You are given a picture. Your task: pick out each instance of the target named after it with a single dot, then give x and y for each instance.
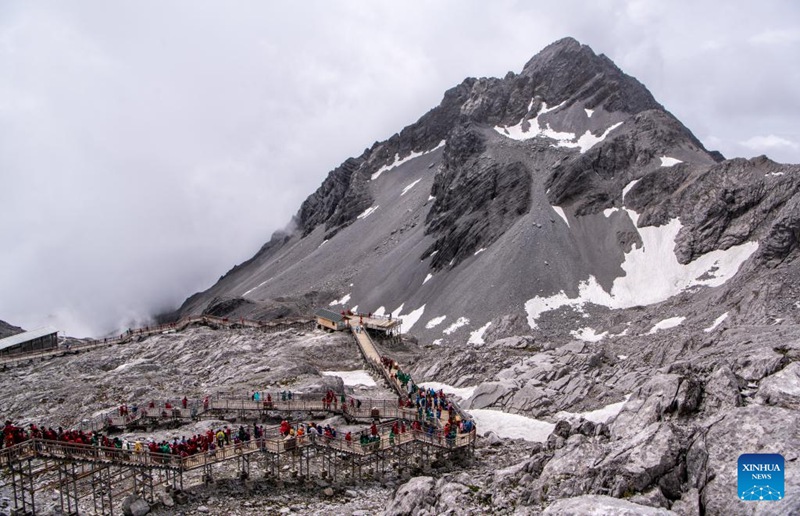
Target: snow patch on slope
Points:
(588, 334)
(560, 211)
(427, 278)
(476, 337)
(652, 274)
(672, 322)
(409, 187)
(461, 321)
(717, 322)
(512, 426)
(563, 139)
(411, 319)
(342, 301)
(397, 161)
(436, 321)
(669, 162)
(369, 211)
(628, 188)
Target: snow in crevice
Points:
(669, 162)
(323, 243)
(398, 161)
(652, 274)
(588, 334)
(609, 211)
(589, 112)
(427, 278)
(369, 211)
(409, 187)
(436, 321)
(461, 321)
(719, 320)
(560, 211)
(666, 324)
(479, 251)
(774, 174)
(476, 337)
(583, 142)
(512, 426)
(587, 140)
(628, 188)
(345, 299)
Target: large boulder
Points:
(412, 497)
(135, 506)
(782, 388)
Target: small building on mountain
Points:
(330, 320)
(34, 340)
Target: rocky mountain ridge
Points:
(557, 243)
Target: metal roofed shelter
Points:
(34, 340)
(330, 320)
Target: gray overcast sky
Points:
(147, 147)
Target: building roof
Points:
(327, 314)
(19, 338)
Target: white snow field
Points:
(601, 415)
(353, 378)
(461, 321)
(342, 301)
(717, 322)
(652, 274)
(436, 321)
(397, 161)
(512, 426)
(410, 319)
(672, 322)
(476, 337)
(583, 142)
(669, 162)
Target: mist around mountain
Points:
(615, 304)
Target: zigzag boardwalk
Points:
(78, 471)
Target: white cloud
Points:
(143, 132)
(759, 143)
(776, 37)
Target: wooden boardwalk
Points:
(34, 462)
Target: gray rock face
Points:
(598, 504)
(476, 201)
(781, 389)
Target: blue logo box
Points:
(761, 477)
